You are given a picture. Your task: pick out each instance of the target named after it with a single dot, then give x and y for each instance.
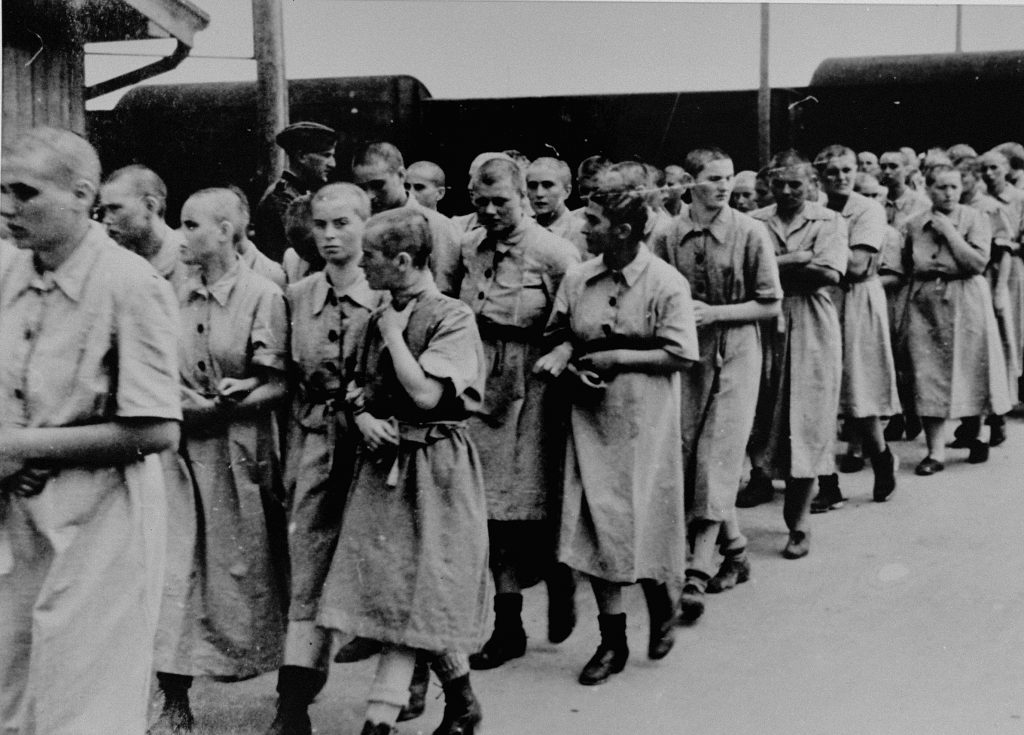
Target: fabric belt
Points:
(491, 331)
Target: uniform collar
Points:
(955, 216)
(358, 292)
(633, 270)
(516, 237)
(71, 275)
(718, 227)
(221, 290)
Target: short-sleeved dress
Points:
(1012, 202)
(321, 446)
(511, 287)
(730, 261)
(952, 337)
(223, 610)
(623, 512)
(795, 434)
(411, 562)
(82, 563)
(869, 371)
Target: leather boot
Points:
(296, 688)
(829, 496)
(894, 429)
(417, 689)
(611, 656)
(662, 616)
(884, 465)
(966, 433)
(462, 712)
(691, 599)
(508, 641)
(176, 717)
(378, 728)
(758, 490)
(561, 603)
(735, 570)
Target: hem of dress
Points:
(366, 628)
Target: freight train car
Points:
(203, 134)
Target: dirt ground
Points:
(907, 618)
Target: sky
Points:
(491, 48)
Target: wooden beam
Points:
(271, 88)
(764, 95)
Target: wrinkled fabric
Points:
(410, 566)
(223, 607)
(92, 341)
(623, 514)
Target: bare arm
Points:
(860, 261)
(657, 361)
(743, 313)
(424, 390)
(967, 257)
(112, 442)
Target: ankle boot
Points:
(735, 570)
(966, 433)
(884, 465)
(829, 496)
(997, 430)
(297, 686)
(894, 429)
(462, 712)
(417, 690)
(758, 490)
(561, 603)
(508, 641)
(611, 656)
(662, 616)
(176, 717)
(691, 599)
(378, 728)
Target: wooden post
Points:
(959, 28)
(271, 89)
(764, 96)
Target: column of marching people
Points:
(350, 430)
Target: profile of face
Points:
(838, 175)
(545, 190)
(714, 184)
(892, 170)
(127, 215)
(791, 187)
(39, 211)
(867, 163)
(764, 192)
(205, 234)
(337, 230)
(425, 190)
(945, 191)
(597, 229)
(317, 165)
(382, 272)
(993, 171)
(386, 188)
(499, 206)
(968, 179)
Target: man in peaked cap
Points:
(310, 148)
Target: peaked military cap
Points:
(306, 136)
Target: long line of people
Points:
(433, 408)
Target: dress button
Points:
(28, 335)
(699, 257)
(332, 335)
(201, 365)
(200, 328)
(480, 295)
(19, 394)
(488, 273)
(613, 301)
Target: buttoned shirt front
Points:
(905, 206)
(928, 250)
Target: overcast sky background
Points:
(484, 48)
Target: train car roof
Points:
(991, 66)
(223, 95)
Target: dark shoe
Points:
(691, 600)
(979, 453)
(378, 728)
(462, 712)
(297, 686)
(997, 431)
(829, 496)
(851, 463)
(662, 616)
(929, 466)
(798, 546)
(176, 717)
(357, 649)
(735, 570)
(913, 427)
(611, 656)
(561, 586)
(895, 428)
(884, 465)
(508, 641)
(759, 490)
(417, 690)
